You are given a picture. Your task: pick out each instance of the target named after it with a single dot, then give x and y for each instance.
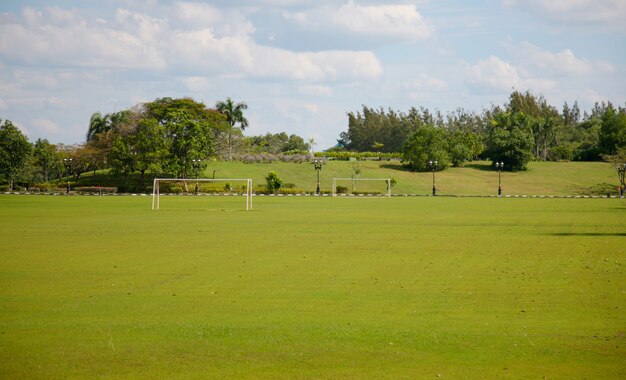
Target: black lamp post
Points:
(318, 167)
(196, 166)
(620, 173)
(433, 167)
(68, 172)
(499, 167)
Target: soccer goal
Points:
(225, 189)
(362, 186)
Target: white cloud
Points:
(222, 23)
(428, 83)
(3, 104)
(603, 12)
(196, 83)
(315, 90)
(62, 102)
(312, 108)
(137, 41)
(561, 62)
(399, 21)
(40, 40)
(497, 74)
(45, 126)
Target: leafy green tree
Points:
(613, 130)
(15, 151)
(425, 144)
(463, 146)
(510, 141)
(46, 158)
(234, 115)
(273, 182)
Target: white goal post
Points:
(353, 180)
(156, 194)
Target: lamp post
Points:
(499, 167)
(318, 167)
(620, 173)
(68, 172)
(433, 167)
(196, 166)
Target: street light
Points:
(196, 166)
(433, 167)
(318, 167)
(68, 171)
(620, 173)
(499, 167)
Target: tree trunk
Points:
(230, 146)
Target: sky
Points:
(301, 65)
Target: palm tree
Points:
(312, 144)
(234, 115)
(97, 124)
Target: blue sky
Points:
(301, 65)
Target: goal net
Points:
(222, 186)
(362, 186)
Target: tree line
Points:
(525, 128)
(173, 137)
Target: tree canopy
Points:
(15, 151)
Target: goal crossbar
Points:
(387, 180)
(156, 194)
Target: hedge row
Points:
(359, 155)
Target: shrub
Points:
(274, 183)
(96, 189)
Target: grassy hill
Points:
(477, 178)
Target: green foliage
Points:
(15, 151)
(345, 155)
(510, 141)
(276, 144)
(425, 144)
(233, 112)
(46, 159)
(273, 182)
(613, 130)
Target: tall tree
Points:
(15, 151)
(510, 140)
(47, 159)
(613, 130)
(234, 115)
(425, 144)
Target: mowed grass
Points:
(103, 287)
(476, 178)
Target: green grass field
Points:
(477, 178)
(103, 287)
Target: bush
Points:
(96, 189)
(273, 182)
(344, 155)
(341, 189)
